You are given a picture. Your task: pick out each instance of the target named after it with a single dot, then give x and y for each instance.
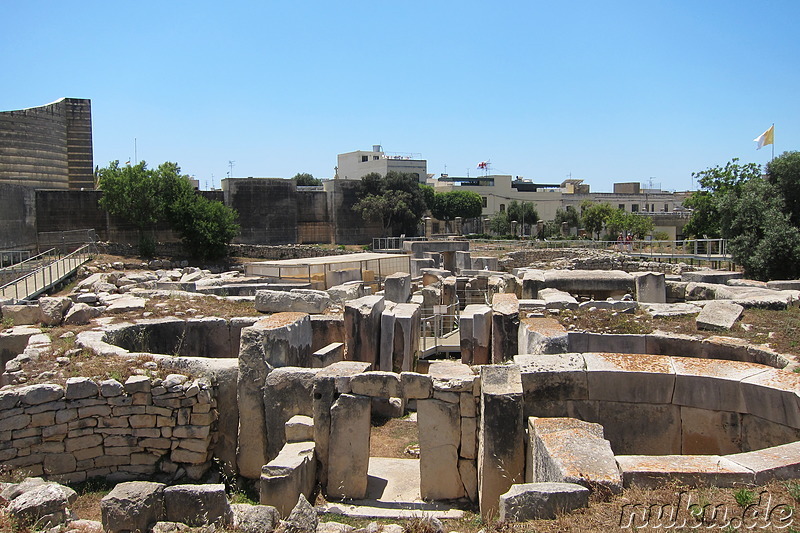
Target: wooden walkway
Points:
(45, 277)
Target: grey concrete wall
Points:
(17, 217)
(267, 209)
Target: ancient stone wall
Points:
(17, 217)
(118, 431)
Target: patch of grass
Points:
(744, 497)
(241, 497)
(793, 489)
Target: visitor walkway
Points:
(51, 269)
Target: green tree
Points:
(396, 201)
(452, 204)
(522, 211)
(621, 221)
(568, 215)
(146, 197)
(499, 224)
(715, 184)
(595, 217)
(783, 173)
(306, 179)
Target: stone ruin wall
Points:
(142, 428)
(586, 259)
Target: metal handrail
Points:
(46, 276)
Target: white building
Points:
(355, 165)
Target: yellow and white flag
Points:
(768, 137)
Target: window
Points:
(502, 208)
(652, 208)
(666, 208)
(634, 208)
(622, 206)
(364, 158)
(375, 157)
(483, 201)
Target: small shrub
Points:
(744, 497)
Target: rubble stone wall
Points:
(118, 431)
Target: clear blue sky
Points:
(606, 91)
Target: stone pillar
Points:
(439, 438)
(475, 330)
(418, 264)
(505, 327)
(428, 226)
(463, 261)
(348, 453)
(400, 330)
(501, 440)
(397, 287)
(542, 336)
(539, 228)
(449, 298)
(532, 281)
(362, 328)
(651, 287)
(270, 342)
(458, 226)
(514, 225)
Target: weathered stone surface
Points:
(44, 506)
(380, 384)
(452, 376)
(553, 377)
(20, 315)
(475, 332)
(710, 276)
(501, 453)
(348, 453)
(532, 282)
(597, 283)
(362, 319)
(289, 475)
(78, 388)
(81, 313)
(197, 505)
(397, 287)
(533, 501)
(567, 450)
(648, 471)
(542, 335)
(52, 309)
(630, 378)
(776, 462)
(710, 432)
(125, 304)
(650, 287)
(468, 472)
(416, 386)
(557, 299)
(132, 506)
(302, 519)
(620, 306)
(505, 327)
(711, 383)
(719, 315)
(469, 436)
(299, 428)
(39, 394)
(670, 309)
(254, 518)
(346, 291)
(439, 437)
(774, 395)
(400, 332)
(297, 301)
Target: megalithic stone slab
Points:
(439, 438)
(362, 328)
(505, 327)
(651, 287)
(400, 330)
(475, 330)
(397, 287)
(348, 447)
(501, 442)
(719, 315)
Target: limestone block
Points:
(542, 335)
(711, 384)
(466, 401)
(501, 452)
(710, 432)
(416, 386)
(362, 319)
(136, 384)
(273, 341)
(328, 355)
(452, 376)
(668, 343)
(132, 506)
(676, 290)
(505, 327)
(758, 433)
(475, 332)
(597, 283)
(630, 378)
(80, 314)
(535, 501)
(651, 471)
(639, 427)
(616, 343)
(254, 518)
(44, 506)
(418, 265)
(287, 391)
(77, 388)
(556, 299)
(532, 282)
(777, 462)
(126, 304)
(711, 276)
(565, 450)
(345, 292)
(39, 394)
(299, 428)
(287, 476)
(553, 377)
(670, 309)
(52, 309)
(198, 505)
(380, 384)
(397, 287)
(650, 287)
(469, 477)
(348, 448)
(111, 388)
(620, 306)
(774, 395)
(20, 315)
(439, 438)
(399, 340)
(302, 519)
(298, 301)
(719, 315)
(469, 437)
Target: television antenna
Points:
(230, 165)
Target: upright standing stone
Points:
(362, 328)
(397, 287)
(439, 436)
(532, 281)
(505, 327)
(463, 261)
(475, 330)
(270, 342)
(501, 445)
(651, 287)
(348, 447)
(400, 329)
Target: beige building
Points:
(355, 165)
(497, 191)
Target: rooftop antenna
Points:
(230, 165)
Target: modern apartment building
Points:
(355, 165)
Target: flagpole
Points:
(773, 142)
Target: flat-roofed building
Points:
(355, 165)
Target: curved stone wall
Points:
(48, 147)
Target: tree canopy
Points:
(146, 197)
(452, 204)
(396, 201)
(305, 179)
(595, 217)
